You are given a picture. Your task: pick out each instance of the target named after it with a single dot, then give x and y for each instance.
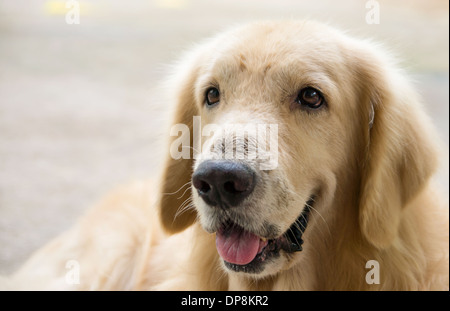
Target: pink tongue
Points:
(237, 246)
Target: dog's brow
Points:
(267, 68)
(242, 61)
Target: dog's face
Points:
(292, 112)
(269, 79)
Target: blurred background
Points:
(80, 106)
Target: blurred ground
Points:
(79, 106)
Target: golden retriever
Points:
(336, 195)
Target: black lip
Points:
(294, 233)
(291, 241)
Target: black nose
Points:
(223, 183)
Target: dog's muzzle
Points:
(225, 184)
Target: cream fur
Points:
(376, 199)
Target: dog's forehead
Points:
(273, 61)
(269, 40)
(263, 47)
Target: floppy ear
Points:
(401, 154)
(175, 195)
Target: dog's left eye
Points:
(212, 96)
(311, 98)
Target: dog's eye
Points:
(310, 97)
(212, 96)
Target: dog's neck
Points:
(338, 261)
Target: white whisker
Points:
(189, 188)
(179, 189)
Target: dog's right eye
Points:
(212, 96)
(311, 98)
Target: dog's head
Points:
(279, 119)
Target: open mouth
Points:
(244, 251)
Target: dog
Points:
(336, 194)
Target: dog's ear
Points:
(401, 150)
(175, 209)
